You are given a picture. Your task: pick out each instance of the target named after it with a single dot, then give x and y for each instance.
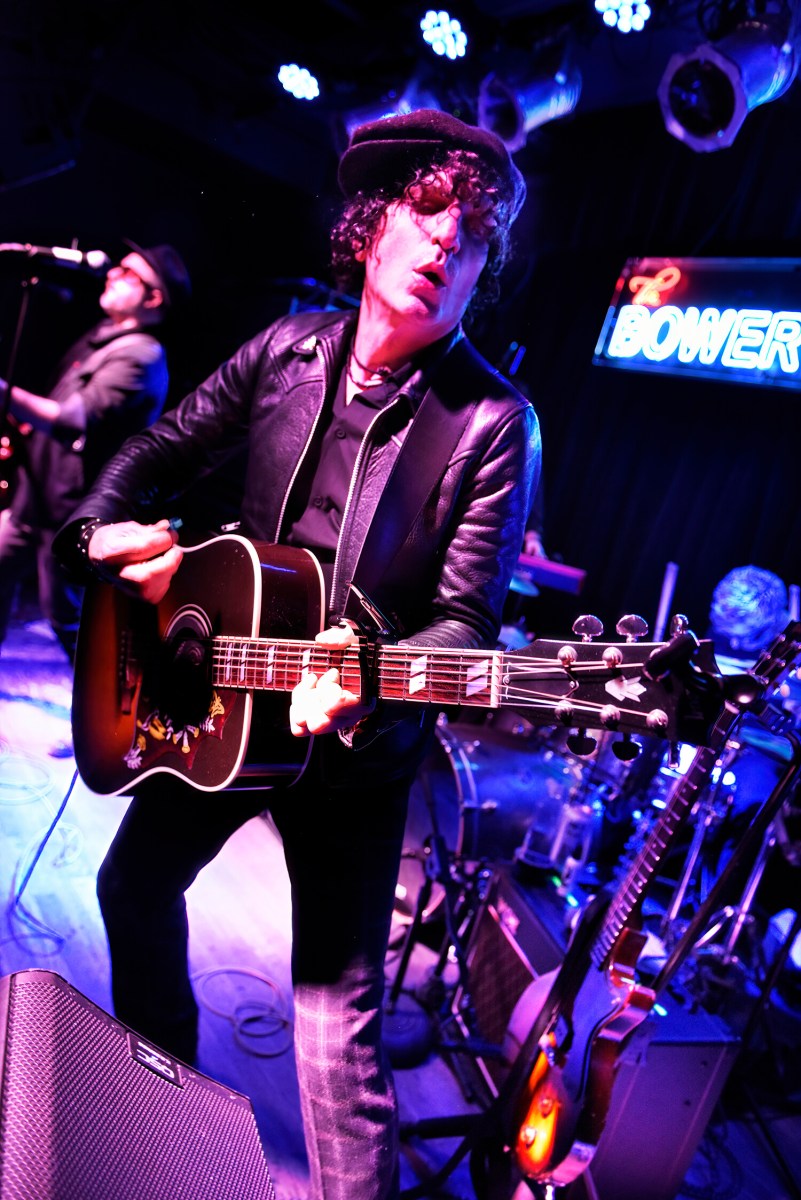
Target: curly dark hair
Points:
(362, 216)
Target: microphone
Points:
(93, 260)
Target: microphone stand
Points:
(10, 436)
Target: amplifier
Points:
(670, 1078)
(518, 935)
(89, 1110)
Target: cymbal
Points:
(534, 569)
(754, 735)
(522, 585)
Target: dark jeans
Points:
(342, 827)
(23, 552)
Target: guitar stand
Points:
(757, 840)
(705, 816)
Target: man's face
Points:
(130, 288)
(427, 255)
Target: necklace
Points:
(380, 372)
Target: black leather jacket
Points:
(448, 580)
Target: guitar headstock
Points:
(669, 690)
(780, 658)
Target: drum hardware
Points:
(488, 1142)
(737, 917)
(712, 914)
(707, 813)
(481, 787)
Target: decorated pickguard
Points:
(156, 734)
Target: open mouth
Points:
(432, 277)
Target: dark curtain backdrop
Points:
(643, 470)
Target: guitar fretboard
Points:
(448, 677)
(397, 673)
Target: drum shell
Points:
(483, 790)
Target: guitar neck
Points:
(442, 676)
(680, 802)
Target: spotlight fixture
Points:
(298, 81)
(624, 15)
(444, 34)
(706, 95)
(513, 101)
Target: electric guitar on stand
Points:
(572, 1024)
(197, 685)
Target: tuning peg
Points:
(632, 627)
(587, 627)
(581, 744)
(679, 624)
(626, 749)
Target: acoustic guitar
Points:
(197, 685)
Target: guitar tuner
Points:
(679, 624)
(581, 744)
(587, 627)
(626, 749)
(632, 627)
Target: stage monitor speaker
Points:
(91, 1111)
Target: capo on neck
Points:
(374, 628)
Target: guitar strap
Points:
(427, 450)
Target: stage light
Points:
(444, 34)
(513, 102)
(706, 94)
(298, 81)
(626, 16)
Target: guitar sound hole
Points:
(184, 685)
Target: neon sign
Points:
(733, 319)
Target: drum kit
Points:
(498, 790)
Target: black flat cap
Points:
(171, 270)
(386, 152)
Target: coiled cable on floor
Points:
(253, 1019)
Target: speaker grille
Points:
(83, 1118)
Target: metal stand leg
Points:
(740, 914)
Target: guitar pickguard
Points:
(156, 734)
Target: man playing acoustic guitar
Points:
(385, 444)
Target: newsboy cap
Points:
(388, 151)
(171, 270)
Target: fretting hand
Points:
(319, 702)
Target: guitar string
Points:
(276, 655)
